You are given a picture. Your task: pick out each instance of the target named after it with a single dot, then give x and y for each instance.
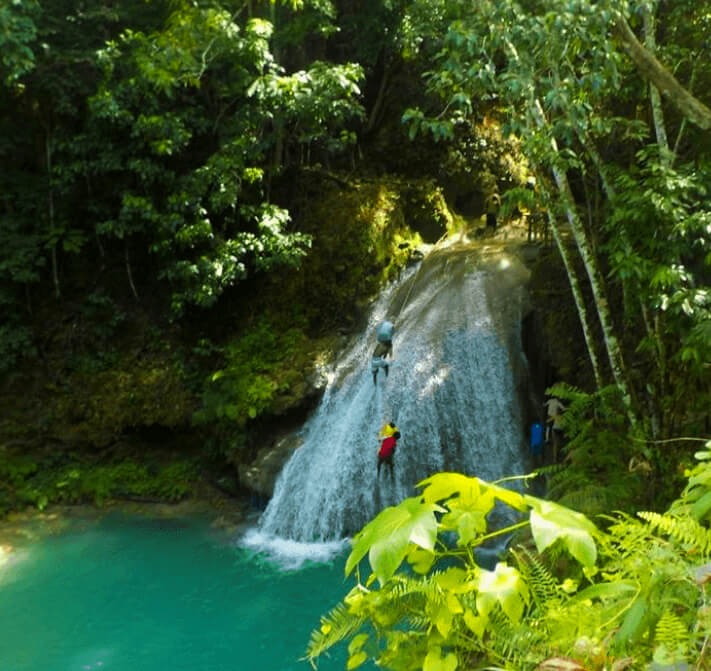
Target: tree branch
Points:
(650, 68)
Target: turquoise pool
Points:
(142, 594)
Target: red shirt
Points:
(387, 447)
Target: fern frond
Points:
(592, 499)
(671, 637)
(551, 469)
(401, 586)
(545, 592)
(684, 530)
(418, 622)
(670, 631)
(514, 644)
(338, 624)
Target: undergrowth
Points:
(38, 482)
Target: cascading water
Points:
(454, 391)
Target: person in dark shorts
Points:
(387, 451)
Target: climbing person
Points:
(536, 444)
(378, 361)
(387, 450)
(554, 427)
(384, 334)
(388, 430)
(383, 348)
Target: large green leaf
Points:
(442, 486)
(635, 622)
(436, 661)
(466, 523)
(702, 506)
(604, 590)
(455, 580)
(387, 537)
(473, 494)
(505, 586)
(550, 521)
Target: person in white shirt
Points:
(553, 424)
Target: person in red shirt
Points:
(387, 450)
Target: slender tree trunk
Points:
(614, 352)
(652, 330)
(129, 273)
(375, 113)
(650, 42)
(50, 204)
(612, 346)
(577, 291)
(682, 127)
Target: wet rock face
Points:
(260, 475)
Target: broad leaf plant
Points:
(565, 594)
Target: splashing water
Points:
(454, 390)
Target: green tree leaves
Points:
(642, 595)
(550, 522)
(387, 538)
(17, 33)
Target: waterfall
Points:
(454, 390)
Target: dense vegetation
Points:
(198, 196)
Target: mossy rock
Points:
(96, 409)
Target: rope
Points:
(416, 275)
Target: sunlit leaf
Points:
(435, 661)
(550, 521)
(387, 537)
(505, 586)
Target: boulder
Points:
(260, 475)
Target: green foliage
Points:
(16, 344)
(631, 592)
(430, 620)
(591, 479)
(45, 480)
(17, 32)
(258, 366)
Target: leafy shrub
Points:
(15, 343)
(635, 594)
(258, 366)
(39, 483)
(591, 479)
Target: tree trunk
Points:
(50, 206)
(129, 273)
(376, 111)
(650, 42)
(652, 70)
(577, 292)
(614, 351)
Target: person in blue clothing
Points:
(536, 444)
(383, 348)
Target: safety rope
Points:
(416, 275)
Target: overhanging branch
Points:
(650, 68)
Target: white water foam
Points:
(290, 555)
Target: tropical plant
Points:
(576, 597)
